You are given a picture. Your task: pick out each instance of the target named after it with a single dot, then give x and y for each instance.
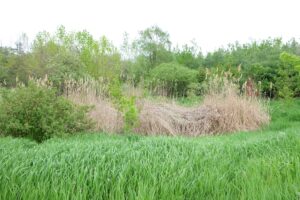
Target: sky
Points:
(211, 23)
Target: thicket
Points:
(272, 63)
(172, 78)
(37, 112)
(126, 105)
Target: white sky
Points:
(212, 23)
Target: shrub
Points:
(201, 76)
(37, 112)
(126, 105)
(173, 77)
(95, 93)
(113, 111)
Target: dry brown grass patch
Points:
(95, 93)
(223, 110)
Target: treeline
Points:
(150, 60)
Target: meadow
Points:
(262, 164)
(81, 118)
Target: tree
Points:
(189, 56)
(22, 44)
(76, 53)
(290, 59)
(173, 78)
(155, 45)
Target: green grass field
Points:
(252, 165)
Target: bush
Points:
(38, 113)
(173, 77)
(126, 105)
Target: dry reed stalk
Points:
(129, 90)
(94, 93)
(171, 119)
(223, 110)
(237, 113)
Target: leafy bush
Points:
(126, 105)
(291, 59)
(201, 74)
(173, 77)
(37, 112)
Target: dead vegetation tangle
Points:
(223, 110)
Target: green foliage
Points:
(60, 55)
(155, 45)
(265, 53)
(189, 100)
(287, 82)
(291, 59)
(201, 75)
(266, 76)
(126, 105)
(287, 76)
(285, 92)
(189, 56)
(135, 71)
(38, 113)
(264, 62)
(66, 54)
(173, 77)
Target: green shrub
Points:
(38, 113)
(173, 77)
(126, 105)
(201, 76)
(285, 92)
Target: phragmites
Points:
(171, 119)
(219, 113)
(238, 111)
(224, 109)
(95, 93)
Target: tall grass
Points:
(261, 165)
(236, 109)
(95, 93)
(224, 109)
